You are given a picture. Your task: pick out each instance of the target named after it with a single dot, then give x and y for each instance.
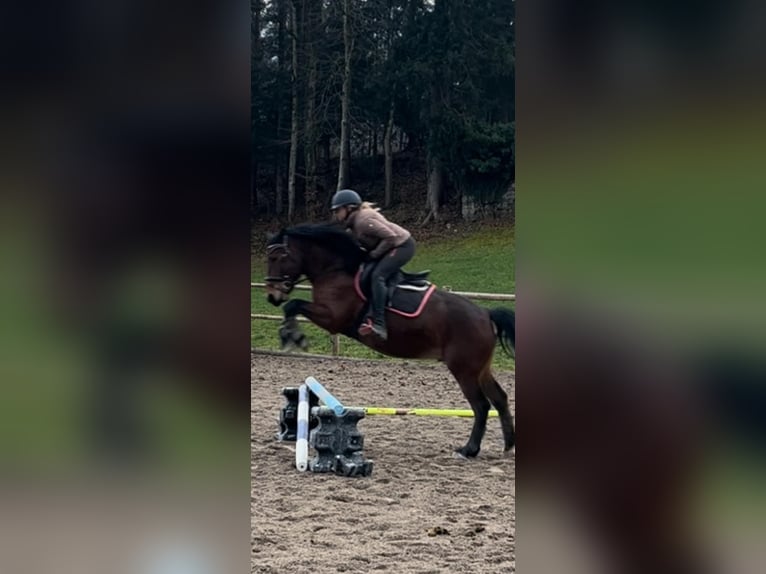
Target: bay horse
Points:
(450, 328)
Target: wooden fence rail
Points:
(469, 294)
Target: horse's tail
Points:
(505, 326)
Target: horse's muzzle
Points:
(276, 297)
(278, 290)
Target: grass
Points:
(480, 262)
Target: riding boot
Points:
(379, 294)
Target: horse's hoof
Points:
(466, 453)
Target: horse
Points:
(450, 328)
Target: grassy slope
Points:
(481, 262)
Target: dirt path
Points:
(310, 523)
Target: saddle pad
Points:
(405, 302)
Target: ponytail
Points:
(369, 205)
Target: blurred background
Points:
(641, 364)
(123, 287)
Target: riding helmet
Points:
(345, 197)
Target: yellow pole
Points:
(422, 412)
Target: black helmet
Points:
(345, 197)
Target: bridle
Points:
(283, 283)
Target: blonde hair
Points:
(369, 205)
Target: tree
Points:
(388, 194)
(294, 127)
(311, 40)
(333, 80)
(279, 179)
(345, 128)
(257, 197)
(440, 22)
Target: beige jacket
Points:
(374, 232)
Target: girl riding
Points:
(387, 243)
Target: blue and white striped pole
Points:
(302, 438)
(325, 396)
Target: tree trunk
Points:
(345, 147)
(256, 192)
(435, 184)
(373, 154)
(389, 199)
(294, 122)
(328, 179)
(278, 186)
(280, 152)
(435, 170)
(310, 142)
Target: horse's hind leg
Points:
(480, 406)
(469, 383)
(499, 399)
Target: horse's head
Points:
(284, 269)
(310, 250)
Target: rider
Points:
(388, 243)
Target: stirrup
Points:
(370, 328)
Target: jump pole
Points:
(329, 400)
(422, 412)
(302, 435)
(325, 396)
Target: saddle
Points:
(400, 280)
(407, 292)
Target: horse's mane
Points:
(331, 236)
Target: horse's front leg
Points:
(290, 333)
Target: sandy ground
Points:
(422, 510)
